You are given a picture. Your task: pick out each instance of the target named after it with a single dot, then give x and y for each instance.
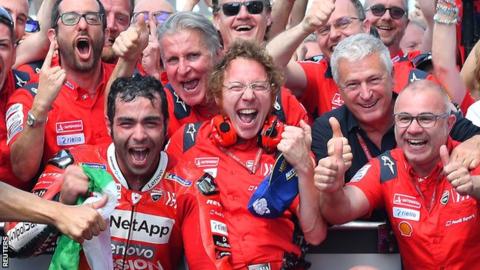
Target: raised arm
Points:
(27, 150)
(444, 50)
(283, 46)
(470, 70)
(295, 146)
(35, 46)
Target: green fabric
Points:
(67, 252)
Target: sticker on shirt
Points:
(337, 100)
(71, 139)
(405, 228)
(405, 213)
(405, 200)
(203, 162)
(218, 227)
(361, 173)
(178, 179)
(14, 109)
(69, 126)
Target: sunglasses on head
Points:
(233, 8)
(379, 9)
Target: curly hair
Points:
(251, 51)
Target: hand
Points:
(151, 54)
(329, 173)
(81, 222)
(50, 83)
(295, 146)
(457, 174)
(338, 136)
(131, 42)
(318, 14)
(75, 184)
(468, 152)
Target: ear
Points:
(451, 121)
(216, 20)
(52, 36)
(366, 25)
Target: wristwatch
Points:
(32, 120)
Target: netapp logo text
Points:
(145, 228)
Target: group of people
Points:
(189, 116)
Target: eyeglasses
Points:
(160, 16)
(32, 26)
(425, 120)
(379, 9)
(339, 24)
(238, 87)
(72, 18)
(233, 8)
(6, 18)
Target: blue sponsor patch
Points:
(178, 179)
(95, 165)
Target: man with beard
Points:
(64, 107)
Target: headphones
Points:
(224, 134)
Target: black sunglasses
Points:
(233, 8)
(6, 18)
(379, 9)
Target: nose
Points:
(414, 127)
(386, 15)
(111, 22)
(139, 133)
(243, 12)
(365, 92)
(183, 67)
(334, 33)
(82, 24)
(248, 94)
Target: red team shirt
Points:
(75, 117)
(435, 227)
(253, 240)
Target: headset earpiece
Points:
(271, 134)
(223, 132)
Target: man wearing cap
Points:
(65, 106)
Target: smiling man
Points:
(64, 106)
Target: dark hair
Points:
(128, 89)
(248, 50)
(359, 9)
(56, 14)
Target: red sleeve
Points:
(367, 179)
(313, 71)
(174, 146)
(17, 108)
(294, 110)
(466, 102)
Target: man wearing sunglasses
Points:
(248, 20)
(65, 105)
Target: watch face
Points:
(30, 119)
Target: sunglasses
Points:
(72, 18)
(160, 16)
(379, 9)
(32, 26)
(233, 8)
(6, 18)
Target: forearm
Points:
(283, 46)
(311, 221)
(336, 207)
(280, 13)
(124, 68)
(468, 72)
(443, 56)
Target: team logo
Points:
(361, 173)
(156, 195)
(203, 162)
(69, 126)
(136, 197)
(405, 200)
(405, 228)
(337, 100)
(445, 197)
(405, 213)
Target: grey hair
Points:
(405, 6)
(187, 20)
(357, 47)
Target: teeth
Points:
(384, 27)
(243, 28)
(190, 84)
(139, 154)
(416, 142)
(247, 111)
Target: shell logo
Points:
(405, 228)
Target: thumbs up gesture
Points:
(338, 136)
(329, 173)
(457, 174)
(130, 44)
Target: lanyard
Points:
(244, 164)
(364, 146)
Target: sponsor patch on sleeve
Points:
(178, 179)
(361, 173)
(14, 120)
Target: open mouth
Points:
(83, 47)
(247, 116)
(369, 105)
(139, 155)
(190, 85)
(243, 28)
(385, 27)
(416, 142)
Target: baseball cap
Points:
(6, 18)
(276, 191)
